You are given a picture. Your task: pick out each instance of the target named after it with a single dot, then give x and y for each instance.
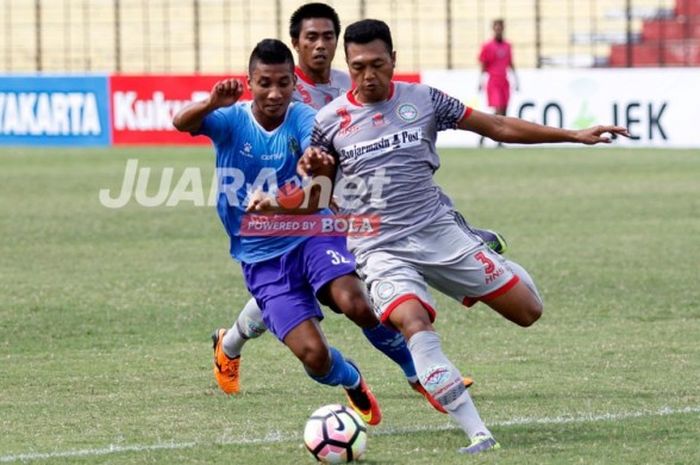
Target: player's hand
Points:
(313, 159)
(225, 93)
(259, 202)
(595, 135)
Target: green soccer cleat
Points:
(492, 239)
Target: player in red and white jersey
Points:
(314, 29)
(319, 94)
(381, 135)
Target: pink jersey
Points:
(496, 57)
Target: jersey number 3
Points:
(488, 263)
(336, 258)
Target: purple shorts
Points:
(285, 287)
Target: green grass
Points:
(105, 317)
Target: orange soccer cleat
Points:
(363, 401)
(226, 370)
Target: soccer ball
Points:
(335, 434)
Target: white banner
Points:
(660, 106)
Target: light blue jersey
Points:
(249, 157)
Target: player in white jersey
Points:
(314, 30)
(379, 140)
(317, 94)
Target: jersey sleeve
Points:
(320, 136)
(448, 110)
(218, 124)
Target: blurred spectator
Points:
(496, 57)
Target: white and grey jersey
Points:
(386, 157)
(319, 95)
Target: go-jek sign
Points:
(143, 107)
(54, 110)
(659, 107)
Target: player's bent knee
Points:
(531, 313)
(356, 307)
(315, 357)
(411, 317)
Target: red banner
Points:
(142, 107)
(407, 77)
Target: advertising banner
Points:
(143, 107)
(54, 110)
(660, 107)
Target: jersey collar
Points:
(249, 109)
(351, 97)
(301, 75)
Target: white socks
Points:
(249, 325)
(442, 379)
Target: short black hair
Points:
(309, 11)
(498, 21)
(270, 52)
(367, 30)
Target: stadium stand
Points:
(214, 36)
(671, 39)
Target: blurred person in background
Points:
(496, 57)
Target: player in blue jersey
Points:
(258, 145)
(314, 29)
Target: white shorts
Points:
(445, 255)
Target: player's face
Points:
(272, 87)
(371, 68)
(316, 43)
(498, 31)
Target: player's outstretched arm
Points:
(514, 130)
(224, 93)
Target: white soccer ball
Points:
(335, 434)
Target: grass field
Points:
(105, 316)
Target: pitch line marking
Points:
(275, 436)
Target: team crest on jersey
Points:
(407, 112)
(247, 149)
(385, 290)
